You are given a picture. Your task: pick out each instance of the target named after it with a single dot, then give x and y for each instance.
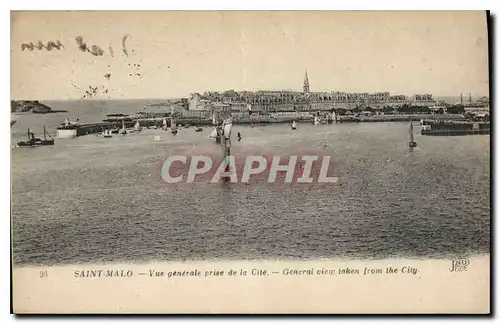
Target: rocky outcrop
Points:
(33, 106)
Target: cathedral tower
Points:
(306, 83)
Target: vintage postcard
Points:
(274, 162)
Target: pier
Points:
(454, 128)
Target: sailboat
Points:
(225, 142)
(214, 119)
(165, 127)
(412, 142)
(123, 131)
(294, 125)
(227, 126)
(329, 118)
(173, 126)
(316, 121)
(137, 127)
(217, 129)
(213, 134)
(107, 133)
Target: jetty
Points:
(455, 128)
(395, 118)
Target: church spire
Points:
(306, 83)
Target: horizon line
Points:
(182, 97)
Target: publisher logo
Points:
(459, 265)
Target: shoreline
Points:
(283, 120)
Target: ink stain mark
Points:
(93, 91)
(124, 47)
(94, 49)
(82, 46)
(40, 46)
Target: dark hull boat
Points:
(34, 141)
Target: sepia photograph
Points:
(313, 150)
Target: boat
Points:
(227, 126)
(214, 119)
(165, 127)
(34, 141)
(316, 121)
(412, 142)
(137, 127)
(12, 122)
(123, 131)
(198, 129)
(107, 133)
(173, 127)
(225, 141)
(213, 134)
(329, 118)
(294, 125)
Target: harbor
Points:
(294, 151)
(386, 191)
(278, 107)
(440, 123)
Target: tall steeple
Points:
(306, 83)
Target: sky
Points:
(177, 53)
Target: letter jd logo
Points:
(459, 265)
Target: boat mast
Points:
(411, 132)
(226, 137)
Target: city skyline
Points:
(173, 54)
